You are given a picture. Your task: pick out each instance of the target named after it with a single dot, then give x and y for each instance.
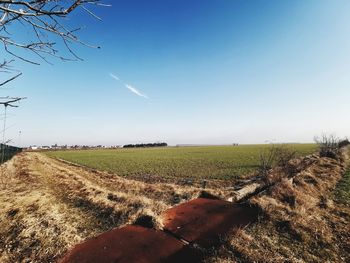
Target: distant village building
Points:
(72, 147)
(34, 148)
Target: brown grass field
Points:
(47, 206)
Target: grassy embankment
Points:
(342, 192)
(210, 162)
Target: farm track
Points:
(47, 206)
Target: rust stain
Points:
(131, 244)
(203, 220)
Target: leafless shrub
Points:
(267, 159)
(277, 156)
(328, 146)
(284, 156)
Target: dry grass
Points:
(47, 206)
(300, 221)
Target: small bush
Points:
(276, 156)
(284, 156)
(328, 146)
(267, 159)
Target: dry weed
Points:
(301, 222)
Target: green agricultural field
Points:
(210, 162)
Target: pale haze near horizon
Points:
(193, 72)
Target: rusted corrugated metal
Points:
(201, 221)
(131, 244)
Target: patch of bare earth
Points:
(301, 220)
(47, 206)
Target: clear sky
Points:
(193, 71)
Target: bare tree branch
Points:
(45, 20)
(10, 79)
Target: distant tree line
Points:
(144, 145)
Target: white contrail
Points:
(114, 76)
(135, 91)
(129, 87)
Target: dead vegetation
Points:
(48, 206)
(277, 162)
(300, 221)
(330, 145)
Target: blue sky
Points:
(209, 71)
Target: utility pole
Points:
(19, 138)
(7, 102)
